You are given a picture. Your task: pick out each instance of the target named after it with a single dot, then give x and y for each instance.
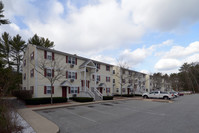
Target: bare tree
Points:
(51, 70)
(122, 67)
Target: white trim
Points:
(36, 79)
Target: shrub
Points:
(9, 118)
(127, 95)
(22, 94)
(107, 97)
(83, 99)
(45, 100)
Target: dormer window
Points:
(32, 56)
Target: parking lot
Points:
(132, 116)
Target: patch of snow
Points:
(26, 127)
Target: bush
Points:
(107, 97)
(83, 99)
(45, 100)
(127, 95)
(22, 94)
(9, 118)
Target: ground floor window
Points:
(108, 90)
(74, 90)
(123, 89)
(48, 90)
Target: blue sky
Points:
(151, 36)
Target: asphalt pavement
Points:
(132, 116)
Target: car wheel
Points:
(145, 97)
(165, 98)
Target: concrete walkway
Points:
(43, 125)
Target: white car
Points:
(158, 94)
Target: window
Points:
(97, 65)
(32, 73)
(108, 90)
(74, 90)
(98, 77)
(123, 89)
(49, 72)
(71, 60)
(48, 89)
(24, 88)
(32, 89)
(123, 71)
(130, 81)
(24, 76)
(113, 71)
(24, 63)
(72, 75)
(107, 68)
(113, 80)
(130, 73)
(49, 55)
(108, 79)
(32, 56)
(123, 80)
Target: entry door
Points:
(64, 92)
(101, 89)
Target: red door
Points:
(64, 94)
(101, 89)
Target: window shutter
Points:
(76, 75)
(66, 59)
(106, 90)
(99, 78)
(88, 83)
(52, 89)
(106, 79)
(52, 72)
(53, 56)
(66, 74)
(69, 90)
(44, 89)
(75, 61)
(45, 54)
(78, 90)
(93, 76)
(44, 72)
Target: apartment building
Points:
(71, 75)
(126, 81)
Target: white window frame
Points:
(71, 75)
(73, 90)
(49, 71)
(32, 56)
(71, 60)
(98, 78)
(49, 55)
(32, 73)
(48, 89)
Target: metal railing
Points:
(90, 93)
(98, 93)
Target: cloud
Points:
(167, 64)
(105, 59)
(164, 15)
(136, 56)
(181, 52)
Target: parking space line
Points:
(99, 111)
(80, 116)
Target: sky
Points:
(149, 35)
